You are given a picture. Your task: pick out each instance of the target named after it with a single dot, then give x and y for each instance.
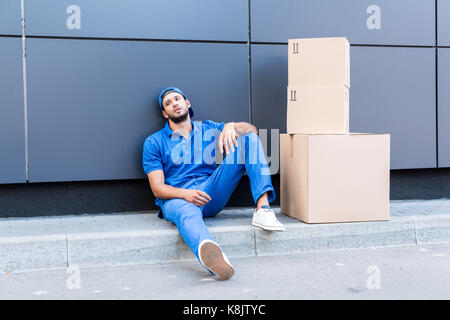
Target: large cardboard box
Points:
(335, 178)
(318, 62)
(323, 110)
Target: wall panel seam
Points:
(25, 91)
(436, 82)
(250, 91)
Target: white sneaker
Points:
(265, 218)
(213, 259)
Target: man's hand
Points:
(165, 191)
(197, 197)
(231, 131)
(228, 137)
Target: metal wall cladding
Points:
(269, 85)
(10, 17)
(443, 14)
(12, 132)
(174, 19)
(393, 91)
(390, 22)
(444, 107)
(92, 103)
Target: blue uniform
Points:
(191, 164)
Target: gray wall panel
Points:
(443, 19)
(393, 91)
(405, 22)
(269, 85)
(444, 107)
(176, 19)
(10, 17)
(12, 133)
(92, 103)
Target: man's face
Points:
(176, 108)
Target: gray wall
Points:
(443, 27)
(10, 17)
(94, 72)
(444, 106)
(402, 22)
(12, 133)
(93, 126)
(211, 20)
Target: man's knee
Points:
(250, 140)
(248, 150)
(178, 210)
(252, 136)
(253, 148)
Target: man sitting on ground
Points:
(189, 185)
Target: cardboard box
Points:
(318, 62)
(335, 178)
(323, 110)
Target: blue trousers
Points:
(248, 157)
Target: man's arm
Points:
(165, 191)
(231, 131)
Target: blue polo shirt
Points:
(182, 160)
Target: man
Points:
(189, 186)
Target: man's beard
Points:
(180, 118)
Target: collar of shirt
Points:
(169, 131)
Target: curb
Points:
(237, 238)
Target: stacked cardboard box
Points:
(328, 174)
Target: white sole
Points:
(212, 258)
(269, 228)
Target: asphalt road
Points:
(385, 273)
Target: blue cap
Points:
(173, 89)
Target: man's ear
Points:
(164, 114)
(188, 103)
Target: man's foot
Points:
(212, 257)
(265, 218)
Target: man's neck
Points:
(184, 127)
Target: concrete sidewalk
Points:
(135, 238)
